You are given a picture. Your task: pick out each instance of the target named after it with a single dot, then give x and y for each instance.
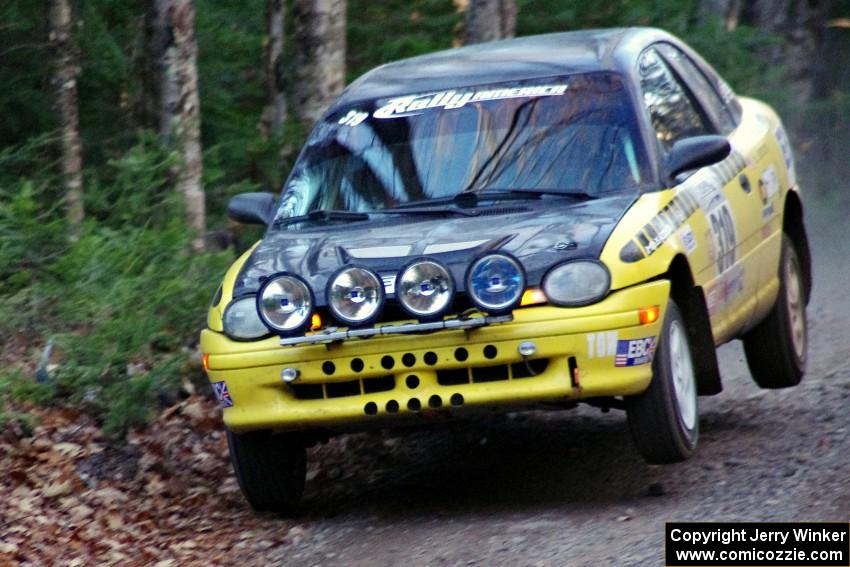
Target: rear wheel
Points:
(776, 348)
(664, 420)
(270, 469)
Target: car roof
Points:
(521, 58)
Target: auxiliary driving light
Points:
(425, 289)
(285, 303)
(495, 283)
(355, 296)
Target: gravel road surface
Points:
(568, 488)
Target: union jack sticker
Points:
(222, 395)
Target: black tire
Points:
(270, 469)
(776, 348)
(664, 420)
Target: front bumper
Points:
(587, 352)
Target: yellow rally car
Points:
(576, 217)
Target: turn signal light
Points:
(532, 296)
(205, 361)
(315, 322)
(649, 315)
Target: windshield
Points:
(574, 133)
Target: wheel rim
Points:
(795, 304)
(684, 381)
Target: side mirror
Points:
(699, 151)
(251, 208)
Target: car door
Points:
(727, 219)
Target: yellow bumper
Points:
(365, 380)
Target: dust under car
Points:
(539, 222)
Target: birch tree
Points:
(275, 18)
(66, 72)
(320, 47)
(179, 105)
(489, 20)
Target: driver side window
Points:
(673, 112)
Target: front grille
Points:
(343, 389)
(499, 372)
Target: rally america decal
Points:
(411, 105)
(635, 352)
(222, 395)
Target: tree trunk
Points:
(727, 11)
(180, 113)
(67, 69)
(800, 24)
(489, 20)
(276, 111)
(319, 55)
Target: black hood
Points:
(540, 234)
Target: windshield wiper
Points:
(405, 210)
(322, 214)
(533, 193)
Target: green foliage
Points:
(380, 32)
(123, 301)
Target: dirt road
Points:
(567, 488)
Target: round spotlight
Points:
(495, 283)
(285, 303)
(425, 289)
(355, 296)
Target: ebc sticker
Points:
(222, 395)
(635, 352)
(412, 105)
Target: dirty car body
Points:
(577, 217)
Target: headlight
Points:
(355, 295)
(285, 303)
(495, 283)
(580, 282)
(241, 320)
(425, 289)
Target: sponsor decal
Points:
(768, 184)
(222, 395)
(767, 212)
(724, 236)
(415, 104)
(635, 352)
(787, 155)
(689, 241)
(353, 118)
(725, 290)
(603, 344)
(702, 190)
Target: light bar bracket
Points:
(332, 335)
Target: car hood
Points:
(539, 234)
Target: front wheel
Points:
(270, 469)
(776, 348)
(664, 420)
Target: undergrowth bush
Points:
(122, 303)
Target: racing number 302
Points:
(723, 230)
